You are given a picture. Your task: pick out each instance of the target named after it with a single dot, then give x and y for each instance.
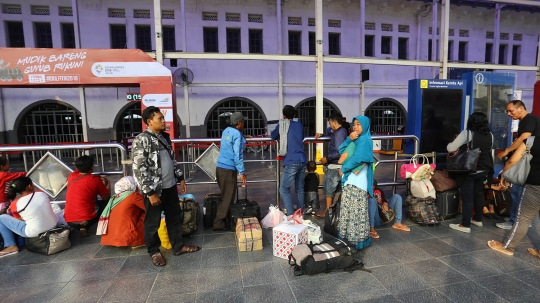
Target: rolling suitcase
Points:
(448, 203)
(243, 208)
(210, 207)
(191, 214)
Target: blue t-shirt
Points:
(295, 143)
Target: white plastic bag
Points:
(314, 232)
(273, 218)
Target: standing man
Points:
(332, 180)
(291, 145)
(230, 163)
(529, 125)
(154, 169)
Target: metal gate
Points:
(386, 117)
(130, 122)
(255, 123)
(306, 115)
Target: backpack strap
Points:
(20, 211)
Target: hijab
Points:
(125, 184)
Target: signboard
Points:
(133, 96)
(441, 83)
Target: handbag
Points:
(442, 181)
(463, 160)
(407, 170)
(422, 189)
(50, 242)
(385, 216)
(518, 173)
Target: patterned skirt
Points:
(354, 216)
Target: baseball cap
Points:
(236, 117)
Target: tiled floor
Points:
(429, 264)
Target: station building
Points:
(479, 32)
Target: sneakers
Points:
(479, 224)
(504, 225)
(308, 211)
(460, 228)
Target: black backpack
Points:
(331, 220)
(311, 259)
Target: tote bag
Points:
(518, 173)
(464, 161)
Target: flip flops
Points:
(5, 254)
(189, 249)
(374, 235)
(401, 227)
(534, 252)
(158, 259)
(497, 246)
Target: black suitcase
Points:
(331, 220)
(448, 203)
(243, 208)
(211, 202)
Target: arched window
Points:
(386, 116)
(255, 124)
(306, 114)
(50, 121)
(129, 123)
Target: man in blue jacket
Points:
(230, 163)
(332, 180)
(291, 145)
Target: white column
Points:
(158, 31)
(434, 14)
(319, 69)
(82, 93)
(497, 33)
(445, 16)
(186, 120)
(279, 51)
(362, 50)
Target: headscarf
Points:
(125, 184)
(363, 153)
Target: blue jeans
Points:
(293, 172)
(10, 225)
(516, 195)
(332, 181)
(395, 203)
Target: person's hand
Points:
(354, 135)
(502, 183)
(340, 172)
(324, 160)
(243, 179)
(502, 154)
(183, 187)
(317, 135)
(106, 182)
(154, 200)
(248, 136)
(385, 206)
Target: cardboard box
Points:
(249, 234)
(286, 236)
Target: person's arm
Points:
(12, 176)
(275, 133)
(515, 145)
(512, 161)
(140, 164)
(352, 162)
(339, 137)
(458, 141)
(238, 151)
(103, 191)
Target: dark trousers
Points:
(227, 182)
(472, 195)
(173, 218)
(101, 204)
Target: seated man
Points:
(81, 210)
(396, 204)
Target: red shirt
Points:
(5, 178)
(81, 196)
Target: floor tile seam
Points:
(487, 289)
(154, 284)
(451, 254)
(439, 258)
(288, 282)
(380, 282)
(435, 289)
(421, 275)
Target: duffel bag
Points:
(50, 242)
(423, 211)
(311, 259)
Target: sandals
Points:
(534, 252)
(158, 259)
(497, 246)
(402, 227)
(374, 235)
(7, 253)
(187, 250)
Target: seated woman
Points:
(122, 220)
(32, 215)
(396, 204)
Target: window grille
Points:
(117, 13)
(130, 122)
(295, 21)
(369, 46)
(68, 35)
(65, 11)
(255, 18)
(451, 32)
(295, 43)
(143, 37)
(504, 36)
(169, 42)
(518, 37)
(403, 28)
(209, 16)
(490, 35)
(43, 35)
(255, 123)
(464, 33)
(167, 14)
(15, 33)
(232, 17)
(386, 27)
(141, 14)
(311, 22)
(334, 44)
(386, 45)
(386, 118)
(370, 26)
(306, 114)
(255, 41)
(431, 31)
(118, 36)
(210, 38)
(334, 23)
(233, 40)
(41, 10)
(12, 9)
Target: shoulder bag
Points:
(518, 173)
(50, 242)
(464, 161)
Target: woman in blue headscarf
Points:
(357, 183)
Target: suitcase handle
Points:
(238, 192)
